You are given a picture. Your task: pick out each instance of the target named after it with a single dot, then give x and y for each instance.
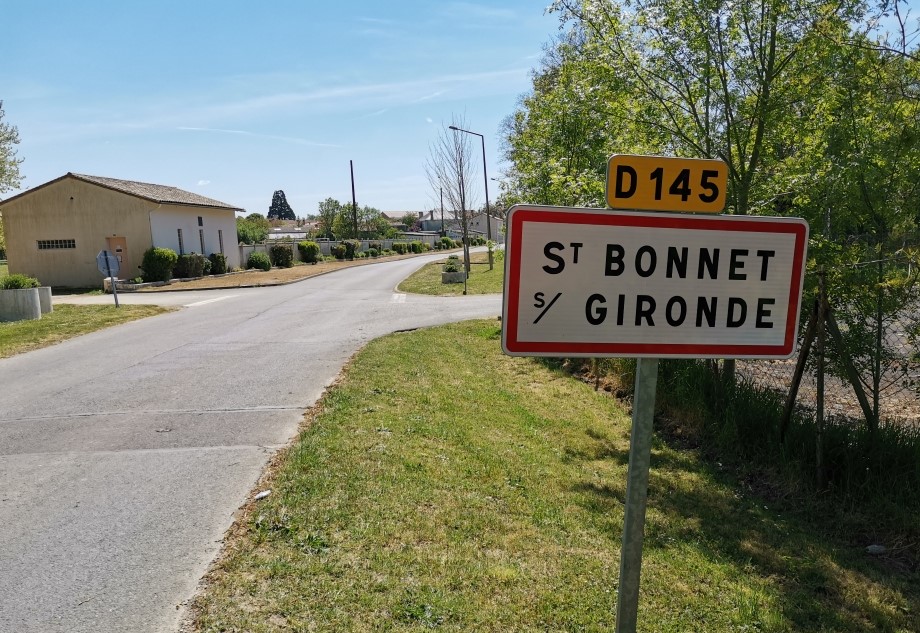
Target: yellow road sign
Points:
(661, 183)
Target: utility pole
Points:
(354, 205)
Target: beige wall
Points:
(86, 213)
(77, 210)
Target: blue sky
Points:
(234, 100)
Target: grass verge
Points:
(427, 280)
(64, 322)
(430, 492)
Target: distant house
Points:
(431, 221)
(54, 231)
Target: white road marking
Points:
(397, 298)
(206, 301)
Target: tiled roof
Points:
(156, 193)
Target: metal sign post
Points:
(640, 451)
(108, 265)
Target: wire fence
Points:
(879, 324)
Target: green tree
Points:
(344, 224)
(327, 213)
(410, 219)
(252, 229)
(280, 209)
(10, 177)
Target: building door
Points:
(119, 247)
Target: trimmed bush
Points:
(352, 247)
(446, 243)
(218, 263)
(309, 251)
(400, 248)
(205, 265)
(281, 255)
(377, 246)
(259, 260)
(338, 251)
(188, 266)
(18, 282)
(158, 264)
(373, 252)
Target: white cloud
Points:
(286, 139)
(202, 183)
(428, 119)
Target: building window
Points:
(200, 221)
(47, 245)
(201, 239)
(181, 244)
(220, 239)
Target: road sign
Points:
(587, 282)
(107, 263)
(660, 183)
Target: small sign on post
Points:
(108, 265)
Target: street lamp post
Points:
(485, 182)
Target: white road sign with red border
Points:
(594, 282)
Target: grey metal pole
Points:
(485, 182)
(108, 270)
(640, 450)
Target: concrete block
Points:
(20, 304)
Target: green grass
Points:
(64, 322)
(427, 280)
(432, 492)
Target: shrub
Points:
(338, 251)
(377, 246)
(373, 252)
(452, 265)
(351, 247)
(137, 280)
(189, 265)
(218, 263)
(158, 263)
(400, 248)
(281, 255)
(446, 243)
(309, 251)
(205, 265)
(259, 260)
(18, 282)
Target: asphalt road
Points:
(125, 453)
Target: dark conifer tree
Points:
(280, 209)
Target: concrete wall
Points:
(71, 209)
(325, 248)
